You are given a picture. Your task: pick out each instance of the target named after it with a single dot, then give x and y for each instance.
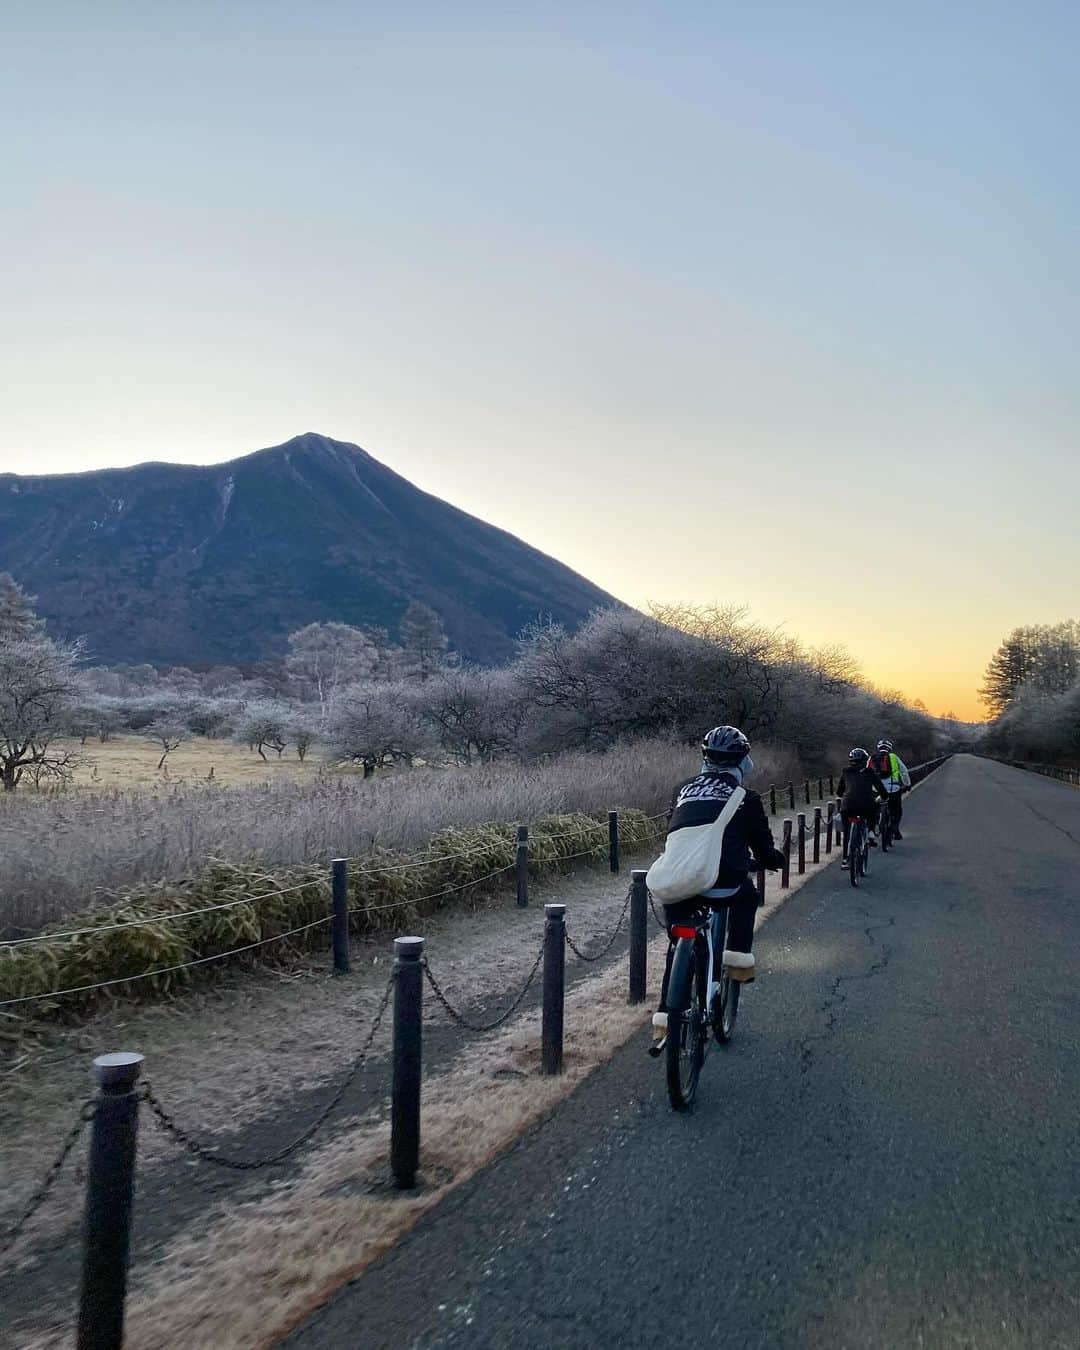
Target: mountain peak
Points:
(194, 565)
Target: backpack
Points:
(690, 862)
(881, 763)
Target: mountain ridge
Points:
(208, 564)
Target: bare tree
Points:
(378, 725)
(168, 732)
(324, 657)
(38, 684)
(263, 723)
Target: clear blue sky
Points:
(663, 289)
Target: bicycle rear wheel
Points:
(686, 1038)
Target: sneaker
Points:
(844, 863)
(896, 834)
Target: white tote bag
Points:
(691, 858)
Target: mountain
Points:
(192, 565)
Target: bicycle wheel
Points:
(885, 826)
(854, 851)
(864, 854)
(725, 1006)
(686, 1038)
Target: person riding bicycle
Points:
(859, 789)
(892, 771)
(748, 843)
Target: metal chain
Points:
(86, 1114)
(595, 956)
(177, 1132)
(463, 1021)
(652, 906)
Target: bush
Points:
(383, 895)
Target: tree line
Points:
(1032, 686)
(365, 699)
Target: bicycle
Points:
(690, 1016)
(858, 849)
(886, 825)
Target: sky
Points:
(759, 303)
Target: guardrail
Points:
(1062, 772)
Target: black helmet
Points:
(725, 746)
(859, 756)
(884, 744)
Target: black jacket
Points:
(748, 839)
(858, 787)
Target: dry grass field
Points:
(132, 762)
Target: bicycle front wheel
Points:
(855, 842)
(686, 1024)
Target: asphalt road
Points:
(887, 1155)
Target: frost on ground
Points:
(242, 1272)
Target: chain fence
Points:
(171, 1127)
(459, 1017)
(603, 951)
(41, 1193)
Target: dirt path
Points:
(245, 1066)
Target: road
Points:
(888, 1154)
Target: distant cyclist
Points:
(748, 843)
(892, 771)
(860, 789)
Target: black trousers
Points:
(739, 937)
(896, 801)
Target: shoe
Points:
(871, 839)
(897, 835)
(659, 1033)
(739, 966)
(844, 863)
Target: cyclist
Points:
(748, 843)
(892, 771)
(859, 789)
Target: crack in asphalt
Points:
(835, 999)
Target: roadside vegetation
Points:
(1033, 687)
(396, 748)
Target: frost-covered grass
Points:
(76, 851)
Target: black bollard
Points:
(802, 842)
(817, 834)
(408, 1024)
(339, 924)
(639, 934)
(551, 1034)
(806, 787)
(821, 789)
(785, 870)
(613, 839)
(829, 827)
(521, 865)
(772, 801)
(110, 1185)
(761, 885)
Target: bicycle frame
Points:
(691, 932)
